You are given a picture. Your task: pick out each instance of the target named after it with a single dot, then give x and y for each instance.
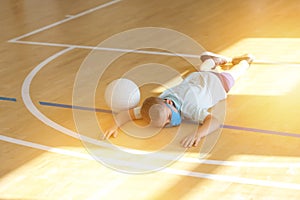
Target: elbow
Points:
(213, 121)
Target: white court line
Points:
(234, 179)
(109, 49)
(256, 61)
(215, 177)
(71, 17)
(242, 163)
(31, 107)
(65, 20)
(45, 148)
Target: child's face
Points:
(167, 116)
(168, 110)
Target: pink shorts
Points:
(226, 79)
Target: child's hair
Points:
(152, 111)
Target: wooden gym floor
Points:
(44, 43)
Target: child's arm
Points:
(121, 118)
(210, 124)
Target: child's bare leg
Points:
(239, 69)
(241, 65)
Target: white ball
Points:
(122, 94)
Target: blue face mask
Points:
(175, 119)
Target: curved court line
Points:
(215, 177)
(32, 108)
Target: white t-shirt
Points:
(195, 95)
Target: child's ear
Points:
(168, 101)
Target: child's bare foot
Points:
(247, 57)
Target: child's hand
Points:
(110, 132)
(191, 140)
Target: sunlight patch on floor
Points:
(268, 81)
(175, 81)
(275, 70)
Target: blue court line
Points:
(8, 99)
(222, 126)
(261, 131)
(74, 107)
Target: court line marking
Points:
(234, 179)
(45, 148)
(69, 18)
(206, 161)
(25, 92)
(256, 130)
(8, 99)
(256, 61)
(197, 160)
(109, 49)
(43, 103)
(216, 177)
(261, 131)
(290, 165)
